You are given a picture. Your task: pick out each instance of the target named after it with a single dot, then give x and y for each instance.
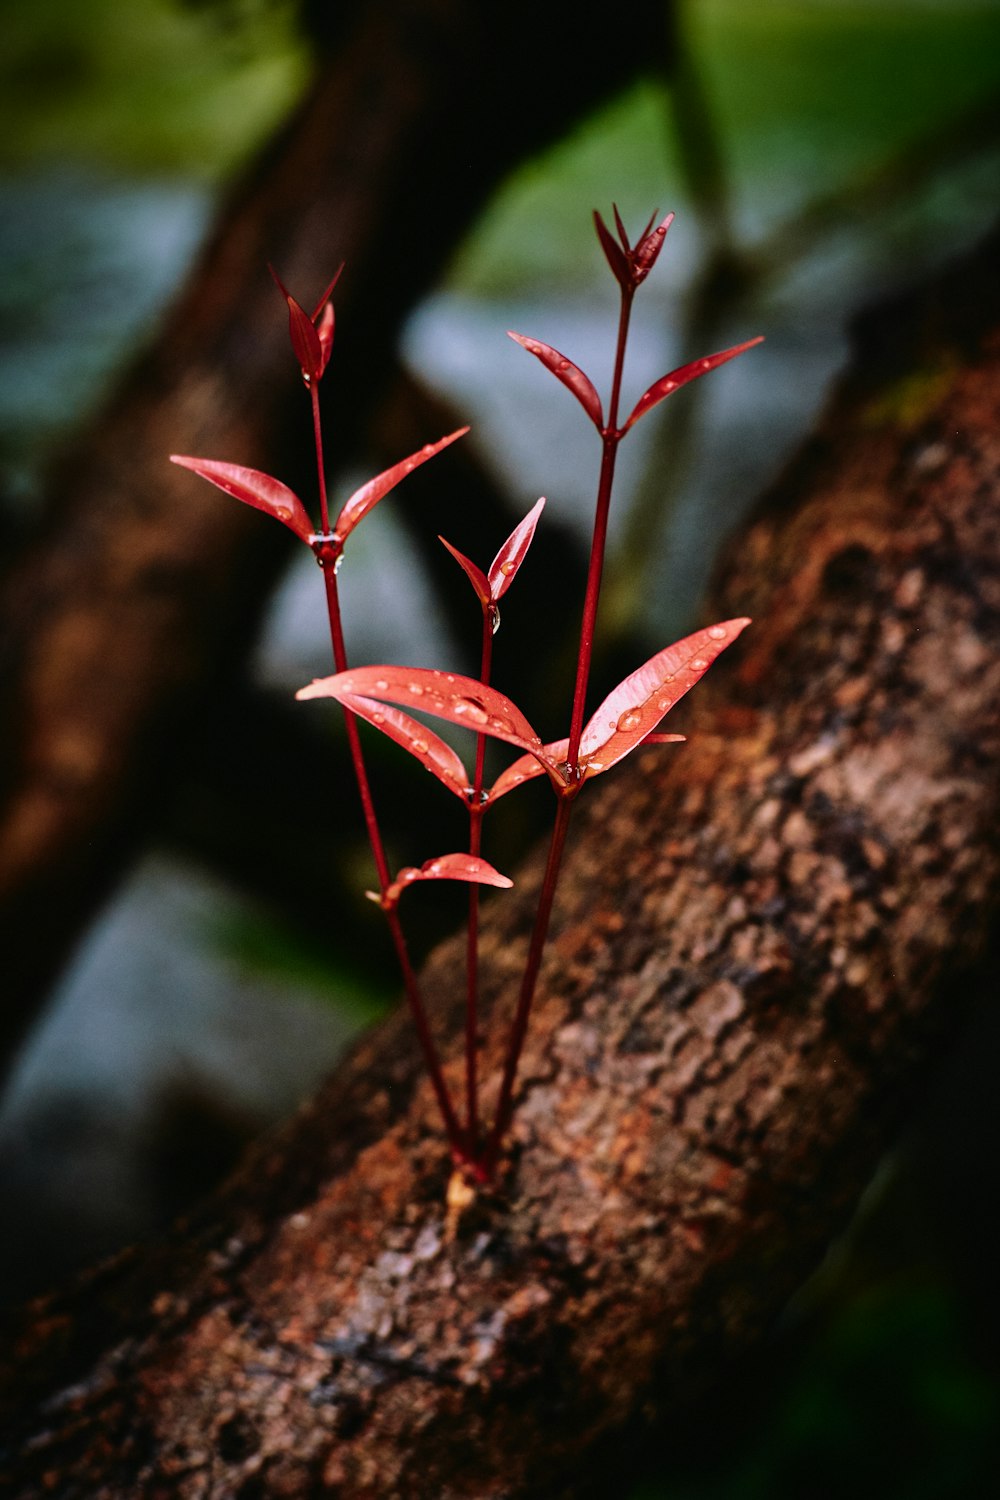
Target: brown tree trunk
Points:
(759, 940)
(139, 595)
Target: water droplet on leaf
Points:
(629, 720)
(717, 633)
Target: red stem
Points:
(476, 811)
(413, 996)
(611, 437)
(528, 983)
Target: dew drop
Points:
(450, 677)
(517, 778)
(630, 720)
(420, 746)
(415, 689)
(664, 703)
(595, 765)
(699, 664)
(378, 718)
(717, 633)
(435, 867)
(706, 364)
(381, 684)
(563, 364)
(283, 513)
(507, 568)
(494, 619)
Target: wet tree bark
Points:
(139, 598)
(760, 940)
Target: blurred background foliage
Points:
(819, 154)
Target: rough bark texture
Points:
(759, 940)
(119, 622)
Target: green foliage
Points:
(144, 87)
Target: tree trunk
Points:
(119, 622)
(759, 940)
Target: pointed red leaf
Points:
(527, 767)
(622, 234)
(432, 752)
(565, 370)
(613, 252)
(253, 488)
(305, 340)
(632, 711)
(322, 303)
(468, 867)
(324, 332)
(368, 496)
(649, 246)
(475, 575)
(445, 695)
(667, 384)
(504, 566)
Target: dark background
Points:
(819, 156)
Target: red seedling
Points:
(388, 697)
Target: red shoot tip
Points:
(311, 337)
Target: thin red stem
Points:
(412, 988)
(611, 437)
(476, 811)
(324, 509)
(529, 981)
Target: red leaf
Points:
(253, 488)
(322, 303)
(324, 332)
(467, 867)
(622, 235)
(527, 767)
(613, 252)
(432, 752)
(305, 340)
(475, 575)
(667, 384)
(446, 695)
(632, 711)
(649, 246)
(368, 496)
(565, 370)
(504, 566)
